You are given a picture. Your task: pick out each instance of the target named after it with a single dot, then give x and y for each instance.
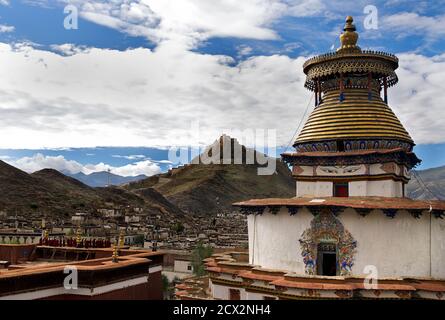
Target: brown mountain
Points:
(429, 184)
(46, 189)
(50, 191)
(211, 188)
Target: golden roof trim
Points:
(330, 56)
(353, 136)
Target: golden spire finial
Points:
(115, 255)
(121, 238)
(349, 37)
(349, 24)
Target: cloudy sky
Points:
(141, 73)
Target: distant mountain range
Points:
(194, 188)
(49, 191)
(430, 185)
(434, 179)
(103, 178)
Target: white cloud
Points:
(145, 167)
(190, 22)
(39, 161)
(163, 161)
(5, 28)
(418, 99)
(186, 21)
(304, 8)
(130, 157)
(69, 49)
(406, 23)
(244, 50)
(141, 97)
(4, 2)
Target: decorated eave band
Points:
(336, 210)
(398, 156)
(391, 58)
(379, 65)
(330, 145)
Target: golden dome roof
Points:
(356, 117)
(349, 112)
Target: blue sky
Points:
(43, 26)
(138, 73)
(41, 22)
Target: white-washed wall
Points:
(397, 247)
(273, 239)
(359, 188)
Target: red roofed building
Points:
(31, 272)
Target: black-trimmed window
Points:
(341, 189)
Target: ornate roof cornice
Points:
(398, 156)
(332, 64)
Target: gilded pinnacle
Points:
(349, 37)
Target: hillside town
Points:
(141, 229)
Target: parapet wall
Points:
(15, 253)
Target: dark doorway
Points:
(341, 189)
(234, 294)
(329, 264)
(327, 259)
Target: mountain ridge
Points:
(194, 188)
(433, 179)
(50, 191)
(103, 178)
(212, 188)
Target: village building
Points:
(177, 264)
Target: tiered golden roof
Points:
(355, 117)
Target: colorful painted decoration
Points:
(325, 227)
